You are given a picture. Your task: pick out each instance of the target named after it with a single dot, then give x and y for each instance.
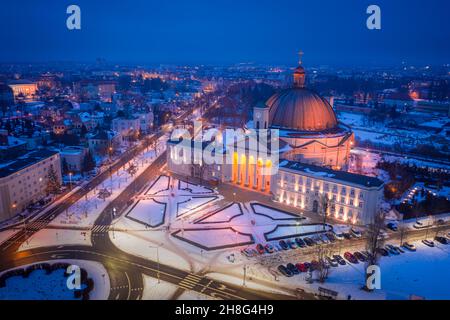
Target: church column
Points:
(239, 165)
(255, 175)
(247, 173)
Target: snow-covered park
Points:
(41, 286)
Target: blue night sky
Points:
(223, 32)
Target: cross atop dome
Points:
(300, 56)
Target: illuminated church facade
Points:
(313, 150)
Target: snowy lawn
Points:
(57, 237)
(193, 203)
(214, 239)
(292, 230)
(39, 286)
(273, 213)
(424, 273)
(157, 291)
(148, 212)
(223, 215)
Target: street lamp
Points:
(157, 259)
(70, 180)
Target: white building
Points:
(351, 197)
(73, 156)
(24, 181)
(126, 126)
(145, 120)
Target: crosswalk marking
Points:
(190, 281)
(36, 225)
(100, 228)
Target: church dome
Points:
(300, 109)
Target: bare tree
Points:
(374, 239)
(403, 231)
(324, 202)
(323, 268)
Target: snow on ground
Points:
(39, 286)
(215, 238)
(224, 215)
(193, 203)
(194, 188)
(159, 185)
(157, 291)
(148, 212)
(273, 213)
(85, 211)
(295, 230)
(144, 244)
(57, 237)
(5, 235)
(193, 295)
(237, 279)
(423, 273)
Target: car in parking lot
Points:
(330, 237)
(350, 258)
(338, 236)
(307, 265)
(339, 259)
(317, 240)
(392, 250)
(367, 254)
(309, 242)
(356, 233)
(325, 239)
(285, 271)
(332, 262)
(409, 246)
(301, 267)
(283, 245)
(300, 242)
(269, 248)
(314, 265)
(358, 255)
(292, 244)
(392, 226)
(383, 252)
(292, 268)
(419, 225)
(347, 235)
(260, 249)
(429, 243)
(441, 240)
(249, 252)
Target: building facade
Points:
(24, 181)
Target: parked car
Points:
(269, 248)
(260, 249)
(309, 242)
(317, 240)
(399, 249)
(350, 258)
(367, 254)
(283, 245)
(429, 243)
(307, 265)
(347, 235)
(246, 252)
(325, 239)
(292, 268)
(441, 240)
(301, 267)
(392, 250)
(338, 236)
(314, 265)
(358, 255)
(331, 237)
(332, 262)
(339, 259)
(285, 271)
(300, 242)
(409, 246)
(392, 226)
(292, 244)
(419, 225)
(355, 233)
(383, 252)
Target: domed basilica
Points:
(307, 124)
